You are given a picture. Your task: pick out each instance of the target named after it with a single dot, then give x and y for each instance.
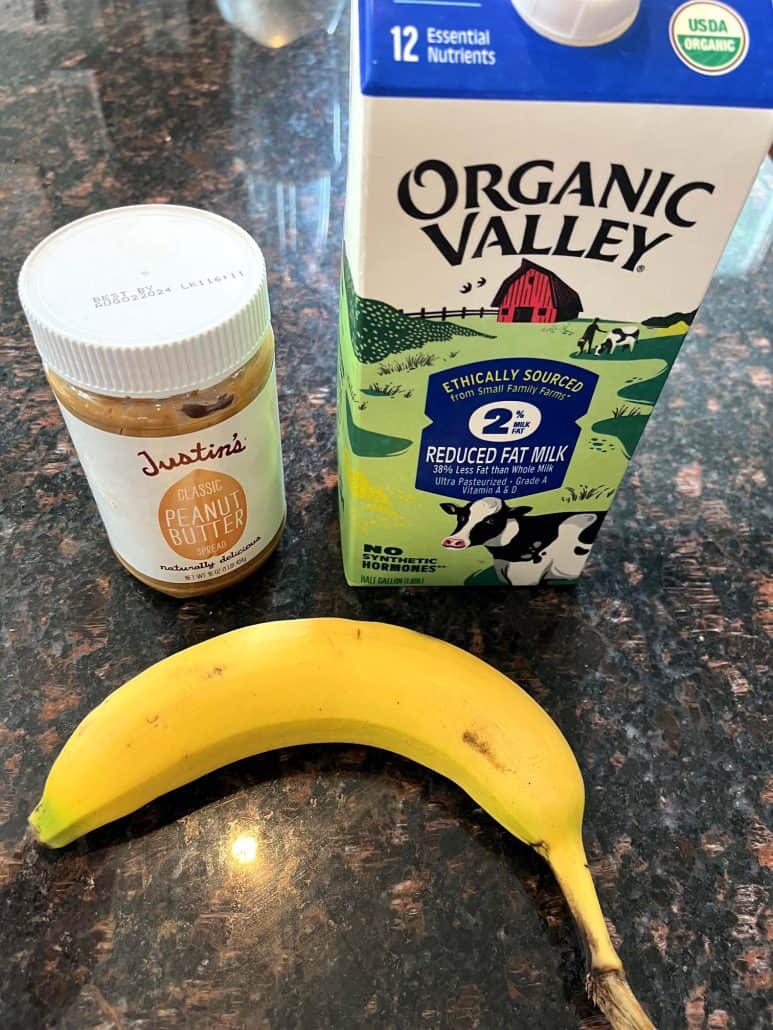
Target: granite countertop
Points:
(381, 896)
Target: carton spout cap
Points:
(578, 22)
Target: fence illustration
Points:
(444, 313)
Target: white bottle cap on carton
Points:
(146, 301)
(578, 22)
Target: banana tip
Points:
(34, 821)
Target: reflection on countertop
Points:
(290, 137)
(343, 887)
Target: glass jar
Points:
(168, 389)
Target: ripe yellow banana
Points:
(334, 681)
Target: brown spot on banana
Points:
(483, 747)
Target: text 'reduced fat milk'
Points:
(530, 228)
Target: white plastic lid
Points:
(578, 22)
(146, 301)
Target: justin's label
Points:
(529, 231)
(193, 507)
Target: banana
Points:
(322, 680)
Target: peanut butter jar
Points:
(154, 328)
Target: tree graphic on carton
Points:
(378, 330)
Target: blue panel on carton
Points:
(483, 49)
(484, 443)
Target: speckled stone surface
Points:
(380, 895)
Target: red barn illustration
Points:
(535, 294)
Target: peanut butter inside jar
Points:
(179, 439)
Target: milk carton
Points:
(530, 228)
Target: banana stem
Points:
(610, 992)
(606, 983)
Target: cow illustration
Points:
(622, 338)
(526, 548)
(586, 340)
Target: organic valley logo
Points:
(199, 452)
(500, 205)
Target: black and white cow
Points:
(624, 337)
(525, 548)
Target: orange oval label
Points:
(203, 514)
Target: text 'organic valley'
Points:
(536, 184)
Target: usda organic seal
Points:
(710, 38)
